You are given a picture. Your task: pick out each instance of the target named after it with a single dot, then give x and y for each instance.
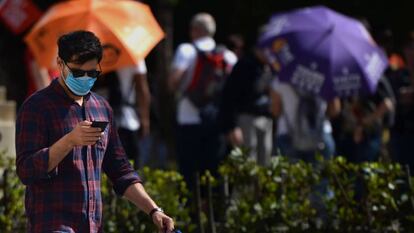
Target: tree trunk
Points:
(164, 101)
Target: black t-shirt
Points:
(246, 91)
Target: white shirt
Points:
(129, 118)
(290, 103)
(185, 59)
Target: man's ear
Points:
(59, 62)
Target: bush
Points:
(268, 199)
(11, 198)
(281, 197)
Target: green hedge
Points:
(11, 198)
(276, 198)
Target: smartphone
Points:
(99, 124)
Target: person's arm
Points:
(81, 135)
(174, 79)
(115, 163)
(40, 74)
(385, 101)
(36, 159)
(183, 58)
(126, 181)
(275, 103)
(383, 108)
(137, 195)
(236, 83)
(143, 101)
(334, 108)
(32, 148)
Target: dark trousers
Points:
(366, 151)
(199, 148)
(401, 148)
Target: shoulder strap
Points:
(198, 51)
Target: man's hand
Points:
(235, 137)
(164, 223)
(84, 135)
(358, 134)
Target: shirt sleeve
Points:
(184, 55)
(32, 145)
(116, 164)
(233, 96)
(141, 68)
(230, 58)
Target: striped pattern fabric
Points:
(67, 199)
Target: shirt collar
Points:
(205, 43)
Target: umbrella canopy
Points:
(127, 30)
(319, 50)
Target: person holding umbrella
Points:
(318, 61)
(62, 151)
(296, 139)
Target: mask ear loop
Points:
(61, 73)
(61, 70)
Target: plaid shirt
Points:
(67, 199)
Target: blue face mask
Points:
(79, 86)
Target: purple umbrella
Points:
(319, 50)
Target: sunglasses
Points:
(77, 73)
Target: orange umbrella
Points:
(127, 30)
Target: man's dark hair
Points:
(79, 47)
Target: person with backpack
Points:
(303, 128)
(199, 70)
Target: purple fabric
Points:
(319, 50)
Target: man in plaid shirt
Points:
(60, 156)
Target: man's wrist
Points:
(69, 141)
(155, 210)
